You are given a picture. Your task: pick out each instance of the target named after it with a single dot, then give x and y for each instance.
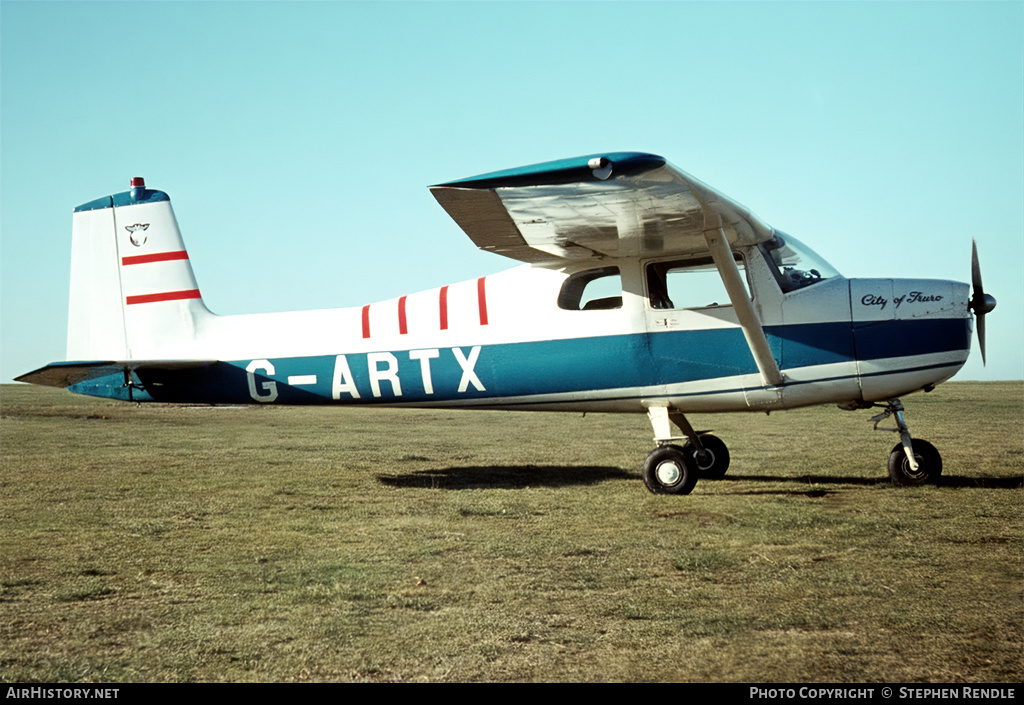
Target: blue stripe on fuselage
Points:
(878, 339)
(544, 367)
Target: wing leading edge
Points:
(619, 204)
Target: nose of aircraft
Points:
(908, 334)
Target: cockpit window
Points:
(794, 265)
(592, 290)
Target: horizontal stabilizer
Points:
(66, 374)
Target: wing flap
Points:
(480, 213)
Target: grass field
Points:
(165, 543)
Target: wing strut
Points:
(721, 253)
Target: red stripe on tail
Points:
(155, 257)
(164, 296)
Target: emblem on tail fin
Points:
(137, 240)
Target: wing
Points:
(620, 204)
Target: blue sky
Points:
(297, 139)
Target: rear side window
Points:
(689, 283)
(592, 290)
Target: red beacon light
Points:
(138, 188)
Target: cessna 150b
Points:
(643, 290)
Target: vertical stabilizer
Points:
(133, 293)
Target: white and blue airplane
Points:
(642, 290)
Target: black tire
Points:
(715, 463)
(929, 464)
(669, 470)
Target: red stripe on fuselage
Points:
(481, 297)
(403, 327)
(155, 257)
(443, 303)
(165, 296)
(366, 321)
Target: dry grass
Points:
(164, 543)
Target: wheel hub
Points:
(920, 472)
(705, 460)
(669, 473)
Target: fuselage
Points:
(620, 337)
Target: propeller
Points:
(981, 303)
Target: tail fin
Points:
(133, 293)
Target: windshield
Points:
(794, 264)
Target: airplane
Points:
(639, 289)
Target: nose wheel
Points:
(929, 464)
(912, 461)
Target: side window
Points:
(689, 283)
(592, 290)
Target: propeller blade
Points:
(981, 336)
(979, 290)
(981, 303)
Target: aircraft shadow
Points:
(511, 477)
(523, 476)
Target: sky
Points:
(297, 139)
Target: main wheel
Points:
(716, 458)
(669, 470)
(929, 464)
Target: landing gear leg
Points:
(671, 469)
(667, 469)
(911, 461)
